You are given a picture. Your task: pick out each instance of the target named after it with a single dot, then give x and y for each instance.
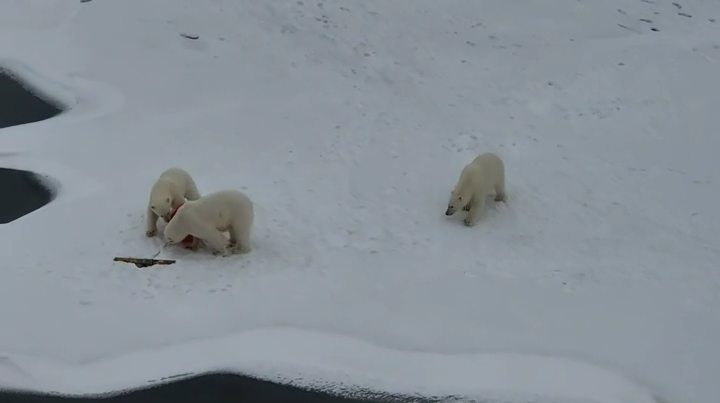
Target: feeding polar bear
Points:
(170, 190)
(480, 178)
(210, 216)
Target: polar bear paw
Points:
(151, 233)
(239, 249)
(242, 249)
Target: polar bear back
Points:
(176, 179)
(484, 171)
(221, 209)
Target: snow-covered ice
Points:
(348, 122)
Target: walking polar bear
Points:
(481, 177)
(210, 216)
(170, 190)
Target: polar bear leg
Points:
(191, 192)
(151, 227)
(500, 195)
(240, 238)
(476, 207)
(467, 206)
(216, 240)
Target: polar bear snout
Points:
(450, 210)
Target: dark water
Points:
(18, 105)
(216, 388)
(22, 191)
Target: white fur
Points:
(169, 191)
(483, 176)
(210, 216)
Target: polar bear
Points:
(210, 216)
(481, 177)
(170, 190)
(189, 242)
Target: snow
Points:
(347, 122)
(334, 360)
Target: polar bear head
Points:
(458, 200)
(177, 228)
(161, 200)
